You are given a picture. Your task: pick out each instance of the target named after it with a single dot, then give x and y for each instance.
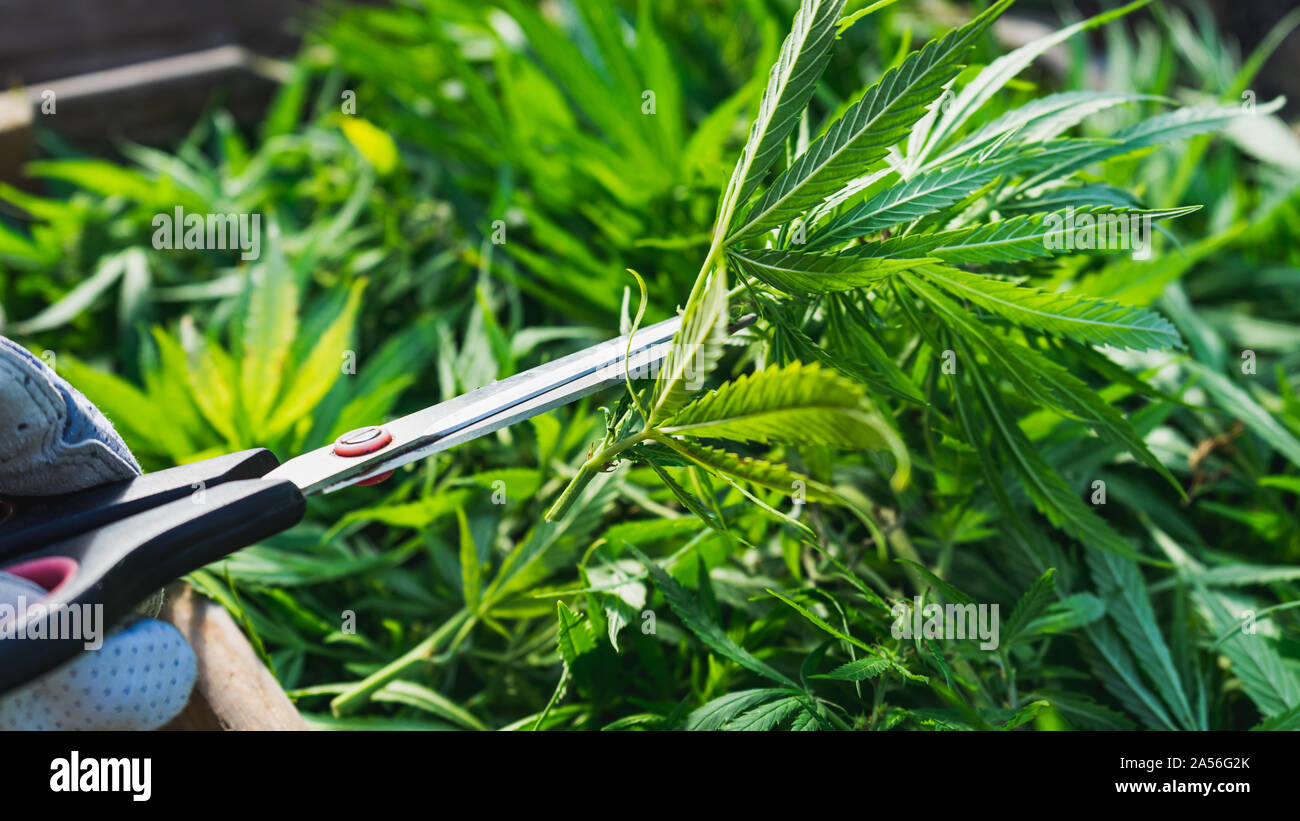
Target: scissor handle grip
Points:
(118, 565)
(45, 520)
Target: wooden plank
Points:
(15, 134)
(154, 102)
(234, 690)
(196, 66)
(47, 39)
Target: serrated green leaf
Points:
(808, 718)
(765, 716)
(689, 500)
(575, 635)
(999, 72)
(1025, 237)
(1115, 668)
(802, 272)
(1050, 494)
(860, 670)
(1265, 676)
(724, 708)
(865, 133)
(794, 404)
(1025, 714)
(1083, 712)
(1058, 313)
(1031, 604)
(698, 621)
(471, 570)
(790, 85)
(756, 471)
(1074, 195)
(1120, 585)
(1034, 122)
(1286, 720)
(918, 197)
(1045, 381)
(213, 382)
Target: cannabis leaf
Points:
(861, 670)
(794, 404)
(790, 84)
(807, 273)
(756, 471)
(766, 716)
(1172, 125)
(1029, 236)
(696, 347)
(716, 713)
(1120, 584)
(575, 635)
(1034, 122)
(916, 198)
(998, 73)
(865, 133)
(699, 622)
(937, 189)
(1087, 320)
(1031, 604)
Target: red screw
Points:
(362, 441)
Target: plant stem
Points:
(588, 471)
(355, 696)
(555, 697)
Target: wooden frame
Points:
(234, 690)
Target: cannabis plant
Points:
(955, 340)
(901, 261)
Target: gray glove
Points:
(53, 440)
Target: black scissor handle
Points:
(117, 565)
(40, 521)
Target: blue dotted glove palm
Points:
(53, 440)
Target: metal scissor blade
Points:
(487, 409)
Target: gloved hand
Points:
(53, 440)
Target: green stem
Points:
(555, 697)
(354, 697)
(837, 721)
(588, 472)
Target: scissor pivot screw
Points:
(361, 441)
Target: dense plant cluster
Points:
(1017, 340)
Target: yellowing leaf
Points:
(318, 372)
(373, 143)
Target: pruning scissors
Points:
(113, 545)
